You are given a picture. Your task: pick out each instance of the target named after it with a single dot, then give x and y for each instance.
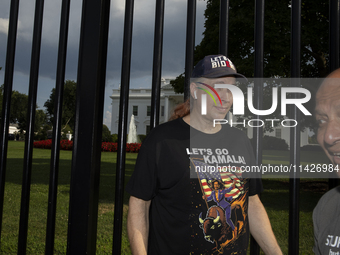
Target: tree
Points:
(314, 37)
(40, 125)
(18, 111)
(276, 38)
(69, 104)
(106, 134)
(19, 103)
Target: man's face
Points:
(327, 112)
(217, 111)
(216, 186)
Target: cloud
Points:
(4, 26)
(143, 36)
(142, 43)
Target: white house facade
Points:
(13, 129)
(140, 106)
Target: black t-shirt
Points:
(175, 167)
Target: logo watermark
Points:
(238, 99)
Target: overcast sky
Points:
(142, 47)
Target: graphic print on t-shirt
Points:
(223, 191)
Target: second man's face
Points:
(327, 112)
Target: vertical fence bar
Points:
(223, 31)
(258, 92)
(82, 226)
(157, 64)
(294, 182)
(224, 25)
(334, 44)
(54, 164)
(7, 93)
(334, 34)
(122, 127)
(190, 45)
(259, 41)
(29, 137)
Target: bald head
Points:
(334, 74)
(331, 84)
(327, 113)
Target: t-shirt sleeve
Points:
(143, 181)
(255, 186)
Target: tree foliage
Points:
(69, 104)
(18, 114)
(18, 111)
(277, 38)
(178, 83)
(106, 134)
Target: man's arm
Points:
(138, 225)
(260, 227)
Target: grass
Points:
(39, 198)
(276, 201)
(282, 157)
(275, 198)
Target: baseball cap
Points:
(215, 66)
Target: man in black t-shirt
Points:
(169, 212)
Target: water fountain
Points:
(132, 136)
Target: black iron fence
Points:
(84, 188)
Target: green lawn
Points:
(282, 157)
(275, 199)
(39, 197)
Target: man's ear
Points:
(193, 90)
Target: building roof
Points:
(166, 90)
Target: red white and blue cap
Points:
(215, 66)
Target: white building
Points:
(140, 106)
(13, 129)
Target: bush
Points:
(42, 133)
(274, 143)
(113, 147)
(314, 147)
(68, 145)
(133, 147)
(141, 138)
(43, 144)
(114, 138)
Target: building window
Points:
(278, 133)
(147, 129)
(148, 111)
(135, 110)
(162, 110)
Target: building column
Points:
(166, 109)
